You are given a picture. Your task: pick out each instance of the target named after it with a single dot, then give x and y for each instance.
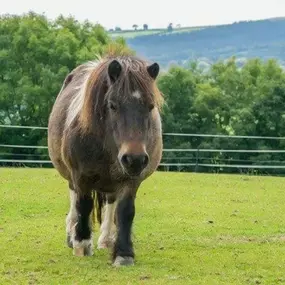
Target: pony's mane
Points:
(88, 102)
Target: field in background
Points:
(189, 229)
(139, 33)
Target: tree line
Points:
(36, 54)
(227, 100)
(145, 27)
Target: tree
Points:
(135, 26)
(35, 56)
(179, 89)
(225, 100)
(145, 27)
(170, 27)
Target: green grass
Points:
(188, 229)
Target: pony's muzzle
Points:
(134, 162)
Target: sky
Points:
(157, 14)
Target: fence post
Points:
(197, 160)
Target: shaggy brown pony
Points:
(105, 138)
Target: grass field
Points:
(188, 229)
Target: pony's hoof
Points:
(88, 251)
(83, 249)
(102, 245)
(105, 243)
(123, 261)
(78, 251)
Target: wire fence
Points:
(178, 159)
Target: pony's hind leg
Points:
(108, 227)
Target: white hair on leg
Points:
(108, 228)
(71, 218)
(84, 247)
(80, 248)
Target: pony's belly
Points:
(110, 185)
(105, 186)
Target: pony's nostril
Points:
(135, 163)
(145, 160)
(127, 160)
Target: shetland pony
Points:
(105, 139)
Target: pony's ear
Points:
(153, 70)
(114, 70)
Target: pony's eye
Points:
(150, 107)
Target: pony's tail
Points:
(99, 202)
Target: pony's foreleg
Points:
(82, 236)
(108, 228)
(79, 223)
(123, 252)
(72, 217)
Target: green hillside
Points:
(264, 39)
(138, 33)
